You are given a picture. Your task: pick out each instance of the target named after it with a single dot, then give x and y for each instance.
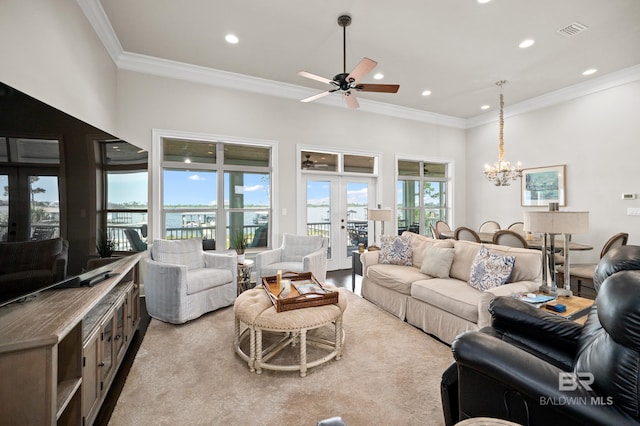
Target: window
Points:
(214, 189)
(126, 192)
(338, 162)
(30, 200)
(422, 191)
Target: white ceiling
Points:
(457, 49)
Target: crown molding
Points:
(607, 81)
(198, 74)
(171, 69)
(97, 17)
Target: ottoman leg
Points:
(258, 353)
(303, 352)
(236, 337)
(252, 349)
(339, 332)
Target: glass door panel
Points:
(319, 209)
(357, 197)
(336, 207)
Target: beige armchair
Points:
(182, 281)
(298, 253)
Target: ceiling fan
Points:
(347, 83)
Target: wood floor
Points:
(341, 278)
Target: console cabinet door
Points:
(91, 375)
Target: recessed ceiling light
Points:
(590, 71)
(426, 93)
(483, 1)
(378, 76)
(187, 160)
(526, 43)
(232, 39)
(485, 107)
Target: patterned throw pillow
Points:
(490, 270)
(396, 250)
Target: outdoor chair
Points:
(134, 239)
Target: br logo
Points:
(571, 381)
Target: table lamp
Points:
(552, 223)
(375, 215)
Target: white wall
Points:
(596, 136)
(147, 102)
(50, 52)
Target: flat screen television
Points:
(83, 280)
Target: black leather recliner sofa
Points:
(535, 368)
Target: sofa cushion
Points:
(396, 250)
(437, 261)
(528, 266)
(466, 252)
(179, 252)
(295, 247)
(450, 295)
(490, 269)
(419, 244)
(395, 277)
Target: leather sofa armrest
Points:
(521, 387)
(449, 394)
(523, 322)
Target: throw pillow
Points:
(395, 250)
(437, 261)
(490, 270)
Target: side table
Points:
(577, 308)
(356, 268)
(244, 275)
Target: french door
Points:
(29, 204)
(336, 207)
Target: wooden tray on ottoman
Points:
(295, 300)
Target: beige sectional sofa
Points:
(444, 307)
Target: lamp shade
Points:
(379, 214)
(556, 222)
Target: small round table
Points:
(254, 309)
(244, 275)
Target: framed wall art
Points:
(543, 185)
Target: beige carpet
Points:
(190, 375)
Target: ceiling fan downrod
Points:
(344, 21)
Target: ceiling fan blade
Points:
(350, 99)
(314, 77)
(363, 68)
(318, 96)
(385, 88)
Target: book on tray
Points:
(536, 298)
(309, 287)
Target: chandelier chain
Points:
(502, 172)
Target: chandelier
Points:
(501, 173)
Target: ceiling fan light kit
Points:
(347, 83)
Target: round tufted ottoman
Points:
(254, 309)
